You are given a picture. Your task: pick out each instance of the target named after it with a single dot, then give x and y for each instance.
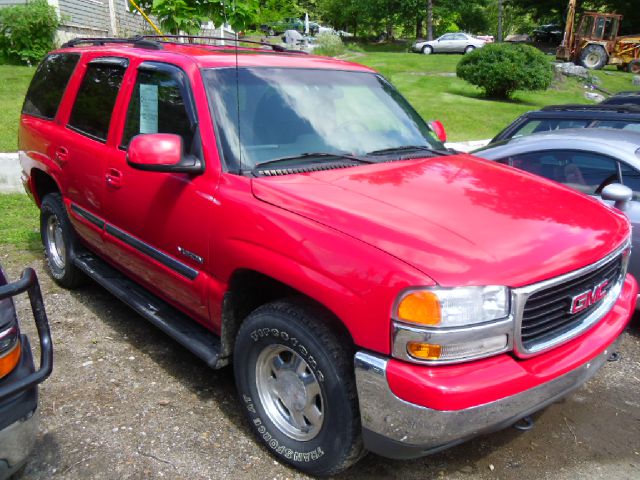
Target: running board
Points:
(193, 336)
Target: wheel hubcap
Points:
(592, 60)
(290, 392)
(55, 243)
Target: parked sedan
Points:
(588, 160)
(18, 378)
(449, 43)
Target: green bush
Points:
(501, 68)
(329, 45)
(27, 32)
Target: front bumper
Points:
(461, 402)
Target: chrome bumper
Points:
(16, 442)
(394, 428)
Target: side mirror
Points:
(438, 129)
(618, 193)
(161, 152)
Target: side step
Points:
(193, 336)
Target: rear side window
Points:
(48, 85)
(96, 97)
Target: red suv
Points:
(294, 215)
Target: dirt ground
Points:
(125, 401)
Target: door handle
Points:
(61, 156)
(114, 178)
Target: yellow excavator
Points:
(596, 42)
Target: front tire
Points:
(634, 67)
(593, 57)
(295, 379)
(59, 241)
(427, 50)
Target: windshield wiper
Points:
(408, 148)
(310, 157)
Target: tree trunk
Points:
(429, 19)
(418, 26)
(500, 14)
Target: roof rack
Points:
(625, 108)
(276, 48)
(138, 41)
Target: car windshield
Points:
(266, 114)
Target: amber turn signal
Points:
(421, 307)
(9, 361)
(424, 351)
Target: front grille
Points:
(546, 312)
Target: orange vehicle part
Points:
(596, 42)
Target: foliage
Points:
(27, 32)
(501, 69)
(329, 45)
(186, 16)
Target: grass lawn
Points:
(19, 222)
(430, 85)
(14, 81)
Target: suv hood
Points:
(460, 220)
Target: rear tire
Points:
(295, 379)
(593, 57)
(427, 50)
(634, 67)
(60, 242)
(469, 49)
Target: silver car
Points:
(592, 161)
(449, 43)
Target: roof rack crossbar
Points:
(276, 48)
(137, 41)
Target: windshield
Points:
(282, 113)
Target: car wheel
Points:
(271, 32)
(634, 67)
(427, 49)
(295, 380)
(469, 49)
(60, 242)
(593, 57)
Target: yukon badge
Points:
(584, 300)
(191, 255)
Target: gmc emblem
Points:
(590, 297)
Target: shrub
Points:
(27, 32)
(501, 68)
(329, 45)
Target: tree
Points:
(187, 16)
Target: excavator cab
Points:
(599, 27)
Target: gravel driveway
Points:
(125, 401)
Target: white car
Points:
(449, 43)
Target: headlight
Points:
(453, 307)
(449, 325)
